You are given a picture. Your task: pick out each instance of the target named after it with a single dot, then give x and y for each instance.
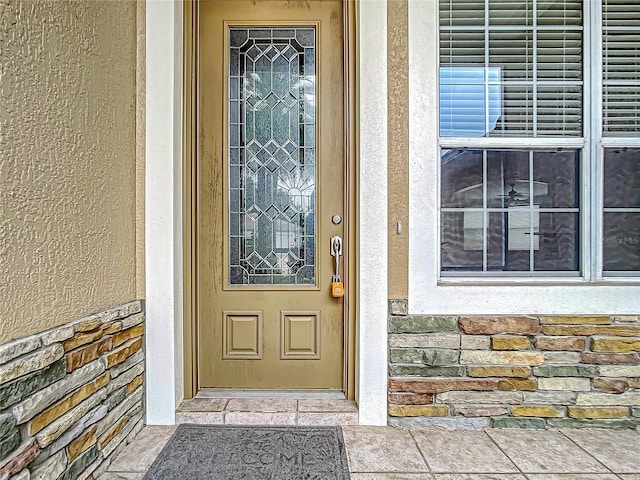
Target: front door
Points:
(270, 194)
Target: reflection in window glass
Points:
(558, 246)
(462, 241)
(622, 178)
(511, 68)
(470, 101)
(508, 252)
(621, 230)
(510, 211)
(458, 189)
(620, 68)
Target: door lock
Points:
(337, 287)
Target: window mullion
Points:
(531, 216)
(486, 77)
(534, 67)
(485, 214)
(594, 190)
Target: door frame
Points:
(190, 204)
(167, 336)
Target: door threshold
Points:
(304, 394)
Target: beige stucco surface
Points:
(67, 161)
(398, 148)
(140, 142)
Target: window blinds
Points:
(621, 67)
(537, 47)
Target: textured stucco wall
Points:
(398, 149)
(141, 78)
(67, 161)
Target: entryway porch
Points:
(393, 453)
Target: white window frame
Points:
(590, 292)
(599, 143)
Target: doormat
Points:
(232, 452)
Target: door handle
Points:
(337, 287)
(336, 246)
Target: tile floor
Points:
(392, 453)
(268, 411)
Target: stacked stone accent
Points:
(513, 371)
(71, 397)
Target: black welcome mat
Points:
(230, 452)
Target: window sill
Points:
(536, 281)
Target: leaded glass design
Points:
(272, 194)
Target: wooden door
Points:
(270, 194)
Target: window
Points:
(539, 138)
(620, 134)
(621, 222)
(510, 210)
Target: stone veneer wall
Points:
(71, 397)
(513, 371)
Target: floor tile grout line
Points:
(504, 453)
(346, 450)
(401, 472)
(108, 470)
(609, 471)
(585, 450)
(424, 459)
(479, 473)
(526, 475)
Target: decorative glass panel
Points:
(272, 173)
